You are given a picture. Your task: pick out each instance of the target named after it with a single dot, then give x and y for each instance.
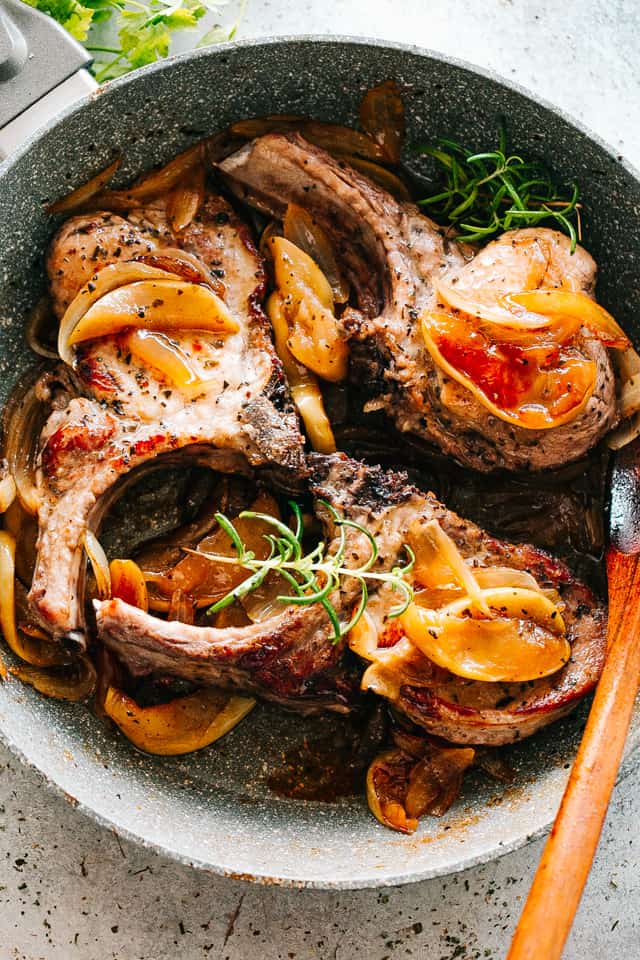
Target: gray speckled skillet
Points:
(214, 809)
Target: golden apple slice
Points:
(154, 305)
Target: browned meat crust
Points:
(393, 254)
(285, 657)
(128, 416)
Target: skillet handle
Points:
(42, 70)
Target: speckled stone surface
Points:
(140, 905)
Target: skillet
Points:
(214, 810)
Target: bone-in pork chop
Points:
(125, 415)
(393, 254)
(286, 657)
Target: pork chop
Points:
(282, 658)
(393, 254)
(124, 415)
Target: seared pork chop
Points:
(285, 658)
(393, 254)
(125, 416)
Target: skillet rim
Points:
(278, 42)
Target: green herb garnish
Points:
(144, 28)
(484, 194)
(313, 576)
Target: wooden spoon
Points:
(562, 873)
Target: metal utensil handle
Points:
(42, 70)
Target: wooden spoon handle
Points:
(557, 887)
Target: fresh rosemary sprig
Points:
(312, 576)
(484, 194)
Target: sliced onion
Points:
(232, 616)
(81, 196)
(183, 265)
(332, 137)
(385, 178)
(315, 339)
(181, 607)
(485, 305)
(99, 564)
(24, 417)
(31, 643)
(75, 682)
(128, 583)
(7, 589)
(436, 780)
(304, 386)
(302, 230)
(23, 527)
(430, 543)
(627, 432)
(525, 639)
(574, 304)
(479, 288)
(204, 580)
(109, 278)
(180, 726)
(382, 117)
(262, 604)
(387, 779)
(297, 274)
(7, 492)
(186, 200)
(159, 304)
(154, 183)
(158, 351)
(40, 322)
(487, 577)
(573, 382)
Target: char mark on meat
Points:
(393, 254)
(122, 417)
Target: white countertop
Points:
(69, 889)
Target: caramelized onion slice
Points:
(154, 183)
(437, 557)
(525, 639)
(80, 197)
(158, 304)
(7, 589)
(315, 339)
(41, 326)
(574, 304)
(332, 137)
(544, 396)
(628, 430)
(23, 527)
(302, 230)
(7, 492)
(382, 117)
(75, 682)
(29, 642)
(384, 177)
(109, 278)
(24, 417)
(128, 583)
(180, 726)
(436, 780)
(387, 780)
(304, 386)
(99, 564)
(402, 786)
(186, 200)
(183, 265)
(203, 579)
(158, 351)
